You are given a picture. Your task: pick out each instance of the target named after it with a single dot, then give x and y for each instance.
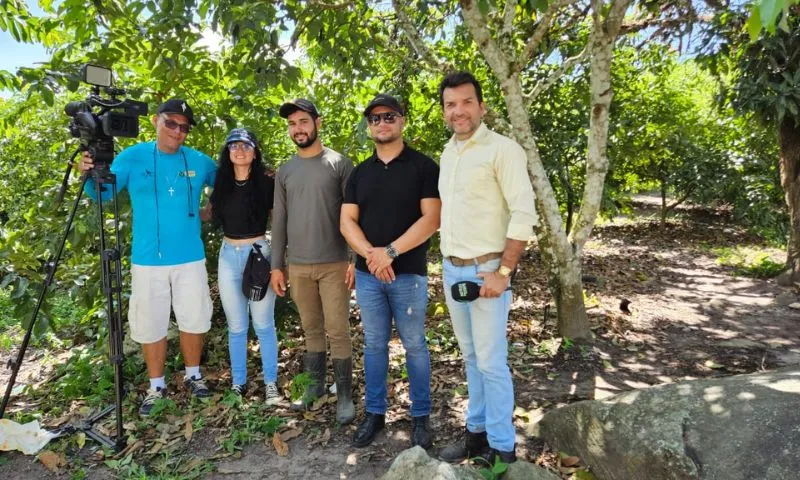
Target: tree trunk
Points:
(789, 134)
(663, 204)
(572, 319)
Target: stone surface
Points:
(786, 298)
(527, 471)
(733, 428)
(415, 464)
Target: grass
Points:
(749, 261)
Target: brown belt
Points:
(460, 262)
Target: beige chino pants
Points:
(323, 300)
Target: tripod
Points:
(111, 266)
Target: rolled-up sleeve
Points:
(512, 174)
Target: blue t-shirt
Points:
(163, 231)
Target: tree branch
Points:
(508, 19)
(566, 65)
(415, 39)
(540, 31)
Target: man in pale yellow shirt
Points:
(488, 216)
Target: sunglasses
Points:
(232, 147)
(172, 125)
(387, 117)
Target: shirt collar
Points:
(476, 137)
(401, 156)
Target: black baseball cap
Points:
(385, 100)
(292, 106)
(179, 106)
(242, 135)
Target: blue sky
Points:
(16, 55)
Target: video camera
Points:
(115, 118)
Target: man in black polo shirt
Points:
(390, 210)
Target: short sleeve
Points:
(352, 186)
(430, 179)
(269, 191)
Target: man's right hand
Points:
(86, 163)
(278, 281)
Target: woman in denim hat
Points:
(241, 203)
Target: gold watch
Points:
(504, 271)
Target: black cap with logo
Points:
(384, 100)
(179, 106)
(292, 106)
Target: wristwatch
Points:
(504, 271)
(390, 250)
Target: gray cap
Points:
(292, 106)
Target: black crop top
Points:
(237, 219)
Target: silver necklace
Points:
(241, 184)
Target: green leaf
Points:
(754, 24)
(769, 10)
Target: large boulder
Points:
(415, 464)
(740, 427)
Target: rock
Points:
(795, 305)
(739, 427)
(785, 299)
(415, 464)
(785, 279)
(520, 470)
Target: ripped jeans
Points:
(405, 300)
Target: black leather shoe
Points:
(421, 433)
(372, 424)
(493, 455)
(472, 445)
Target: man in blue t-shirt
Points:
(164, 180)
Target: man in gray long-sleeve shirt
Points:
(309, 190)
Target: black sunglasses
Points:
(172, 125)
(387, 117)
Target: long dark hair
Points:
(224, 183)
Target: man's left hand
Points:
(350, 276)
(377, 259)
(494, 284)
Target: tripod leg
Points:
(112, 287)
(52, 265)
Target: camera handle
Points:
(111, 268)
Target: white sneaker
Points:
(272, 397)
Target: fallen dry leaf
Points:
(326, 436)
(280, 446)
(188, 429)
(352, 459)
(291, 433)
(52, 460)
(570, 461)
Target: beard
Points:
(386, 139)
(310, 139)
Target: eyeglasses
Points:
(388, 117)
(172, 125)
(232, 147)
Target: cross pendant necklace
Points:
(171, 191)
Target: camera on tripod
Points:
(114, 117)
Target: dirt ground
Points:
(690, 318)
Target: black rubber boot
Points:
(315, 365)
(343, 375)
(473, 445)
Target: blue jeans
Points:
(232, 260)
(405, 300)
(480, 328)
